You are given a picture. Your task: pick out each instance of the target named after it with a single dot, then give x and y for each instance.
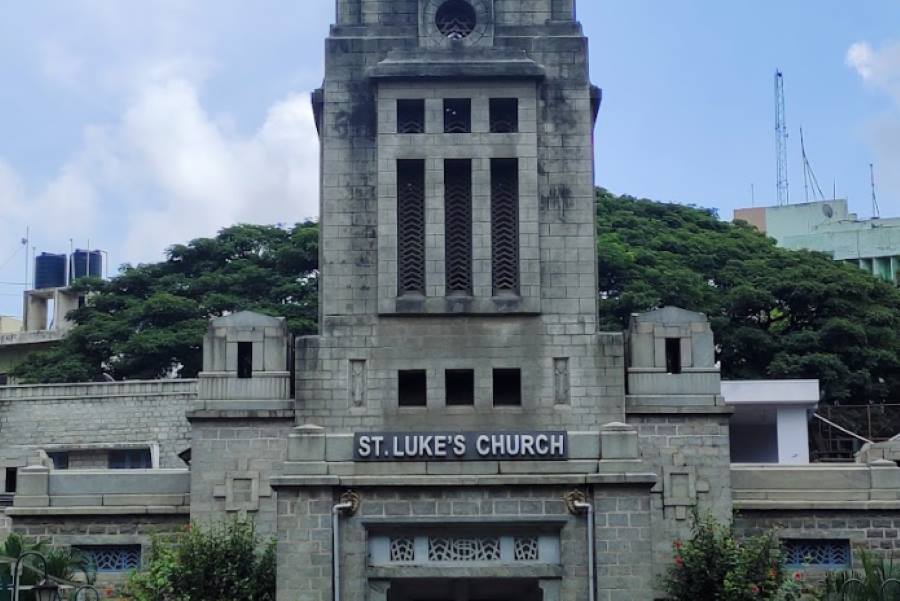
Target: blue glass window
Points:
(113, 558)
(828, 554)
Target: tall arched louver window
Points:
(458, 220)
(505, 225)
(411, 227)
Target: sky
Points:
(133, 125)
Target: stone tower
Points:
(458, 263)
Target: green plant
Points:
(877, 581)
(207, 563)
(64, 564)
(714, 566)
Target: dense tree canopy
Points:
(150, 319)
(775, 312)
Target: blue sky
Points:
(136, 125)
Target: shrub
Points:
(714, 566)
(877, 581)
(212, 563)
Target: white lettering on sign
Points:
(425, 446)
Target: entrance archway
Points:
(465, 589)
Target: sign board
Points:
(460, 446)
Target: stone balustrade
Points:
(44, 491)
(816, 486)
(102, 390)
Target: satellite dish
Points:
(828, 211)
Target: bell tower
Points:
(458, 262)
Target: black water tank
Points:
(86, 263)
(49, 271)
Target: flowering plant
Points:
(713, 565)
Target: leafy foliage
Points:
(221, 561)
(714, 566)
(150, 319)
(63, 563)
(775, 312)
(877, 581)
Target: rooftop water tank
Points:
(49, 271)
(85, 263)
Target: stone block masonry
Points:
(95, 416)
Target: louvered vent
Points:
(505, 225)
(458, 220)
(411, 227)
(410, 116)
(457, 116)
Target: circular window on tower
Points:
(455, 19)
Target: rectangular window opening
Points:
(130, 459)
(458, 226)
(60, 460)
(4, 379)
(12, 474)
(411, 227)
(245, 360)
(412, 388)
(460, 386)
(507, 387)
(505, 226)
(673, 355)
(411, 116)
(457, 116)
(504, 115)
(112, 558)
(833, 554)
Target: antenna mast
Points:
(781, 136)
(875, 212)
(809, 178)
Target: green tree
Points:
(208, 563)
(151, 318)
(775, 312)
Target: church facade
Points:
(460, 428)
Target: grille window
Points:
(832, 554)
(504, 114)
(411, 116)
(412, 388)
(457, 116)
(460, 386)
(455, 19)
(458, 220)
(505, 225)
(411, 227)
(507, 387)
(112, 558)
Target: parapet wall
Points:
(95, 416)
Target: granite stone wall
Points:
(232, 461)
(691, 455)
(877, 530)
(82, 416)
(304, 531)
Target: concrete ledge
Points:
(508, 571)
(104, 511)
(242, 414)
(553, 521)
(639, 407)
(809, 505)
(286, 481)
(817, 486)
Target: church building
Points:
(459, 429)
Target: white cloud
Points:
(167, 172)
(879, 68)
